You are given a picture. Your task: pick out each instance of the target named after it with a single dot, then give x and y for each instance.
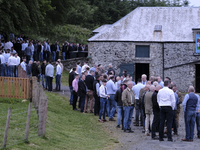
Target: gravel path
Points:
(138, 141)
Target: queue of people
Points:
(156, 102)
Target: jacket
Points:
(118, 95)
(71, 77)
(35, 70)
(81, 88)
(28, 69)
(148, 102)
(89, 82)
(142, 91)
(28, 51)
(43, 67)
(127, 96)
(156, 107)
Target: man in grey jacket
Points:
(49, 72)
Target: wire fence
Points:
(17, 126)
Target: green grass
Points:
(67, 129)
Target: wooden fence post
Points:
(28, 122)
(7, 127)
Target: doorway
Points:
(197, 78)
(141, 69)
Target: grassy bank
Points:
(68, 129)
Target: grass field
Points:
(66, 129)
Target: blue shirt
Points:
(93, 69)
(187, 98)
(177, 100)
(111, 88)
(6, 56)
(136, 89)
(48, 48)
(144, 83)
(79, 70)
(161, 83)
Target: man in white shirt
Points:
(23, 64)
(11, 65)
(6, 56)
(8, 45)
(49, 72)
(2, 64)
(17, 62)
(166, 101)
(58, 76)
(136, 89)
(24, 46)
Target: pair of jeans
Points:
(6, 71)
(58, 77)
(119, 114)
(2, 69)
(53, 56)
(41, 57)
(11, 71)
(75, 97)
(174, 124)
(44, 78)
(111, 106)
(103, 102)
(190, 117)
(166, 113)
(48, 56)
(49, 83)
(82, 103)
(71, 97)
(155, 124)
(28, 58)
(63, 55)
(198, 123)
(128, 113)
(39, 76)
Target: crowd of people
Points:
(156, 102)
(16, 49)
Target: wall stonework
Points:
(119, 53)
(180, 54)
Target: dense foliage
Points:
(41, 16)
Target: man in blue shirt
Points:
(189, 107)
(174, 124)
(79, 69)
(111, 105)
(160, 81)
(136, 89)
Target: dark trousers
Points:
(174, 124)
(82, 103)
(58, 77)
(45, 55)
(166, 113)
(57, 56)
(35, 56)
(96, 105)
(28, 58)
(155, 124)
(48, 56)
(75, 97)
(49, 81)
(138, 112)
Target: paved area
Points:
(138, 141)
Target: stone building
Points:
(155, 41)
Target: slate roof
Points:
(101, 28)
(139, 25)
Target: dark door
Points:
(128, 67)
(198, 78)
(141, 69)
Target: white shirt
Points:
(58, 70)
(136, 89)
(102, 91)
(8, 45)
(17, 60)
(42, 48)
(11, 61)
(23, 65)
(32, 49)
(166, 97)
(24, 46)
(2, 59)
(84, 67)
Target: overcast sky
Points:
(194, 2)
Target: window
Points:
(142, 51)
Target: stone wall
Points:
(119, 53)
(180, 54)
(70, 63)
